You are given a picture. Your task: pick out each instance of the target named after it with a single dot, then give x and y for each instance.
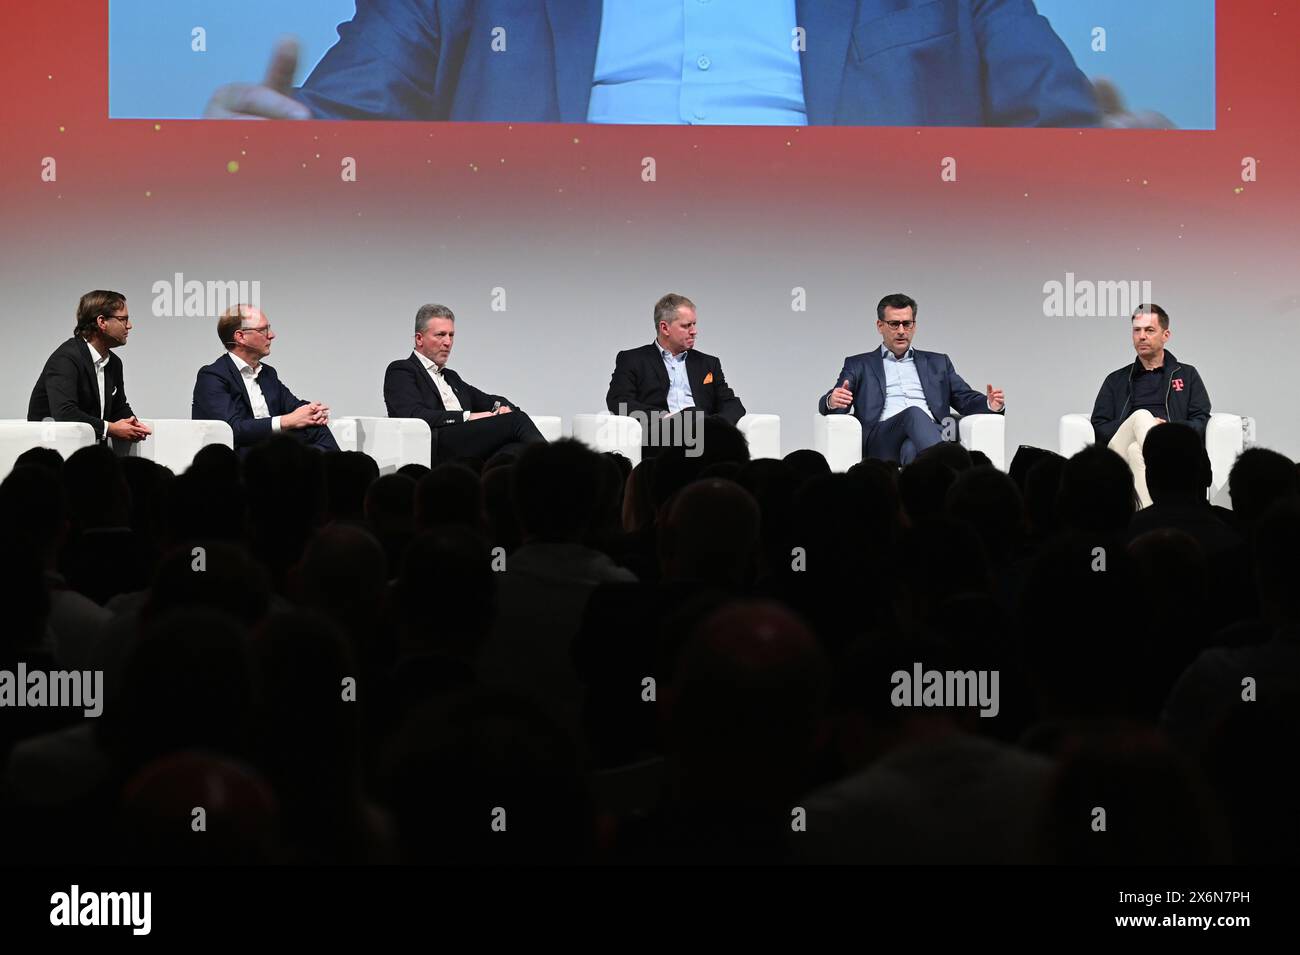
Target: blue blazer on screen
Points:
(866, 63)
(219, 394)
(944, 389)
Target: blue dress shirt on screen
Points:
(673, 62)
(679, 386)
(902, 384)
(866, 63)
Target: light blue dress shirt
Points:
(902, 384)
(711, 62)
(679, 386)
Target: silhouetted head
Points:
(711, 534)
(240, 813)
(446, 591)
(556, 488)
(449, 494)
(990, 502)
(1258, 479)
(97, 494)
(390, 504)
(1096, 493)
(806, 464)
(1129, 799)
(347, 476)
(32, 512)
(746, 706)
(1177, 465)
(1277, 563)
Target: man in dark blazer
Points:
(246, 393)
(82, 380)
(902, 395)
(668, 375)
(823, 62)
(466, 422)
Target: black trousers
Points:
(484, 437)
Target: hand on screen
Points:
(268, 100)
(841, 397)
(1110, 101)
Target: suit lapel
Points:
(110, 384)
(575, 29)
(827, 25)
(695, 375)
(876, 365)
(930, 385)
(81, 354)
(268, 382)
(426, 383)
(232, 371)
(457, 386)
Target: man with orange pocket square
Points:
(669, 375)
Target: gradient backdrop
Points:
(560, 218)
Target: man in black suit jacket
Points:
(82, 380)
(241, 390)
(643, 383)
(466, 422)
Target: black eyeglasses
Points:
(896, 324)
(263, 330)
(124, 319)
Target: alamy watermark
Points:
(1088, 299)
(946, 688)
(75, 908)
(57, 688)
(658, 429)
(179, 298)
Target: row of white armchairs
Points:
(394, 442)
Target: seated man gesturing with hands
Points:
(900, 394)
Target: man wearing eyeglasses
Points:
(901, 394)
(246, 393)
(82, 380)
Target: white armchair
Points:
(1226, 436)
(608, 432)
(839, 438)
(19, 436)
(345, 433)
(763, 432)
(175, 441)
(550, 425)
(397, 442)
(393, 442)
(621, 434)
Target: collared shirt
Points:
(449, 400)
(255, 397)
(715, 62)
(1149, 390)
(100, 362)
(902, 384)
(679, 385)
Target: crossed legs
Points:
(1127, 443)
